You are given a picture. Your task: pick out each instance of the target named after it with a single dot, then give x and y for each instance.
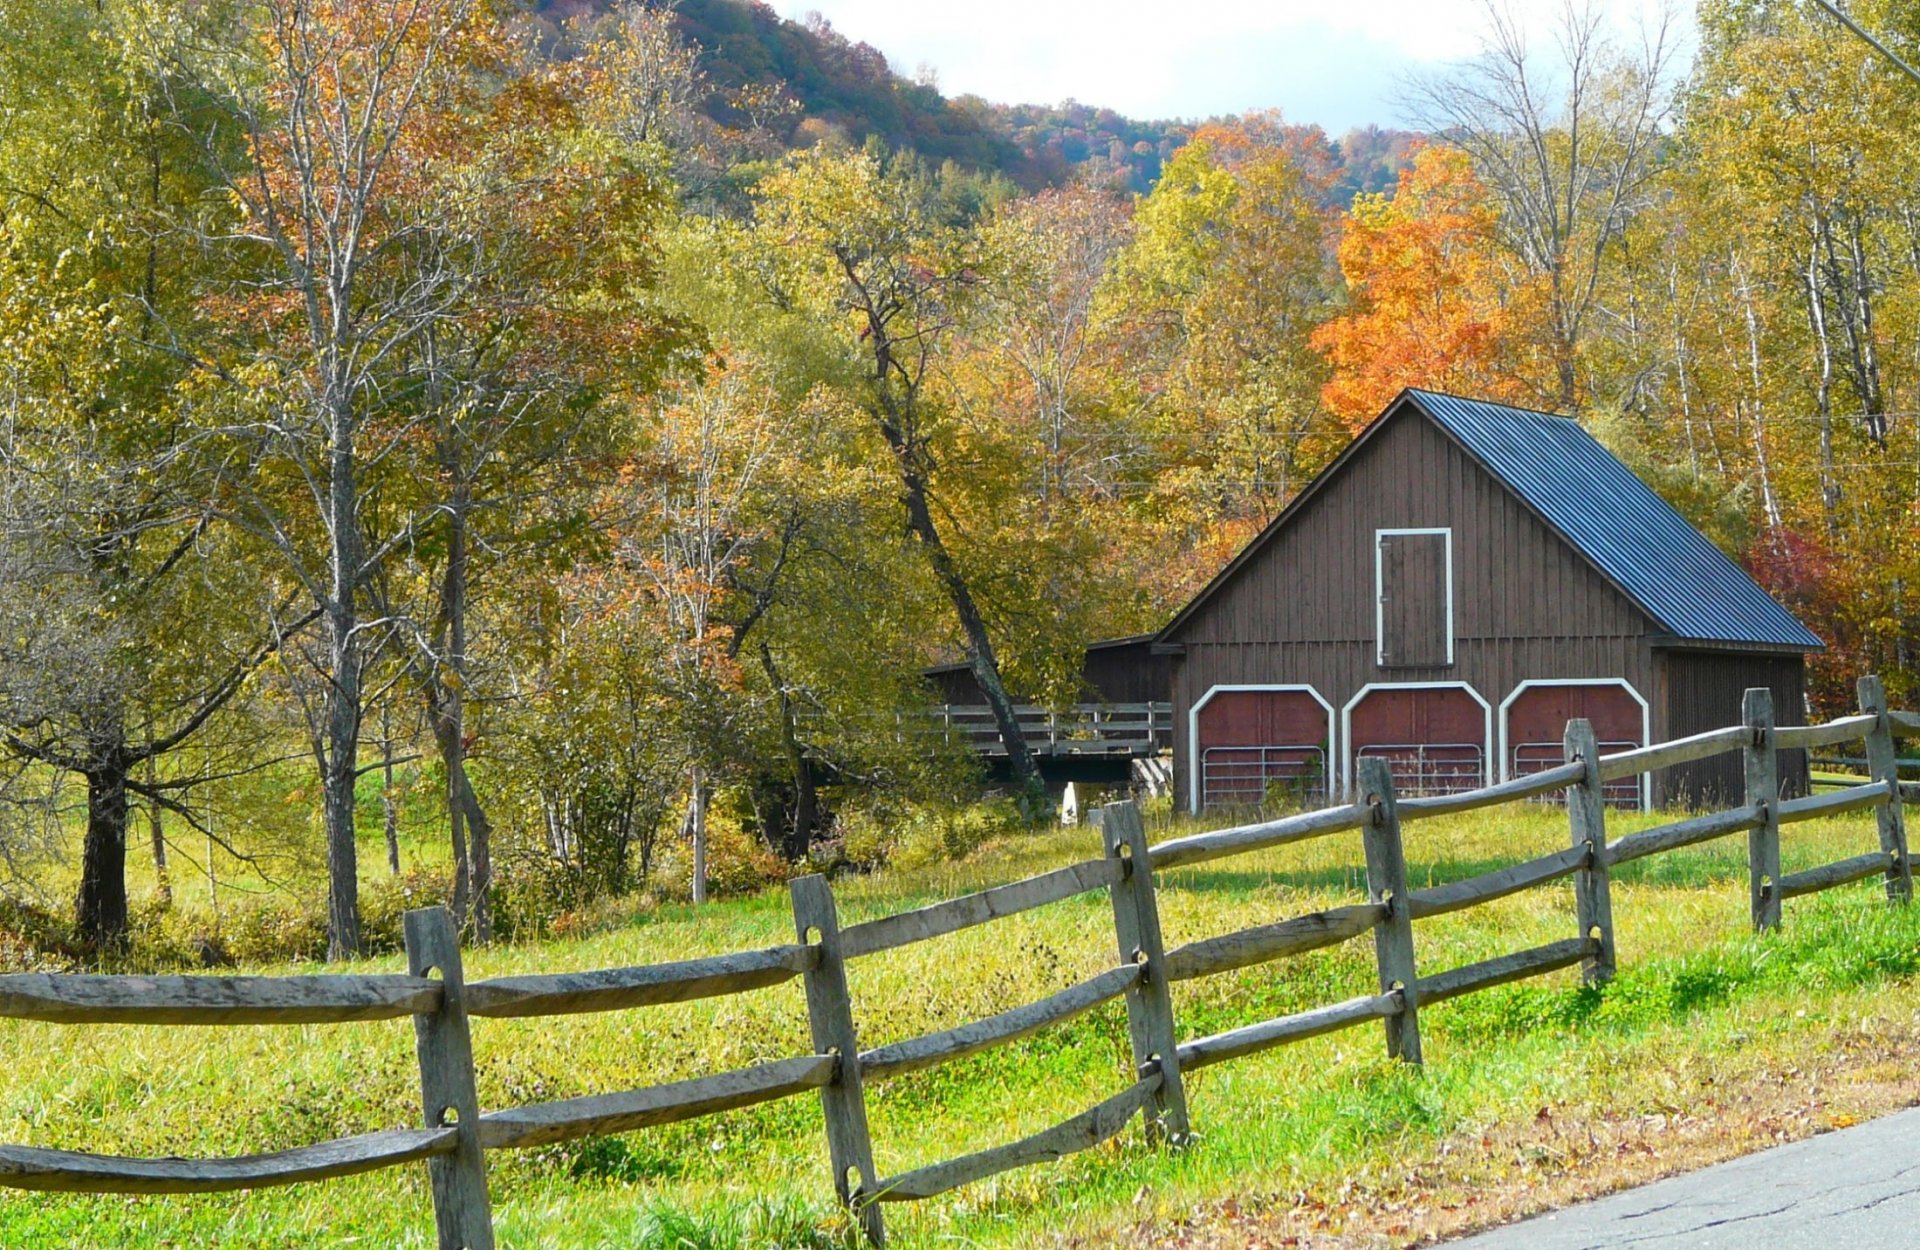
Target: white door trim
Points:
(1379, 590)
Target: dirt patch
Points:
(1699, 1113)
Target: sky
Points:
(1331, 62)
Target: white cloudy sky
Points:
(1333, 62)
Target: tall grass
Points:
(1693, 982)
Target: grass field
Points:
(1694, 988)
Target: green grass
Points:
(1694, 985)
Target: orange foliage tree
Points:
(1432, 304)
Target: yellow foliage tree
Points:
(1432, 304)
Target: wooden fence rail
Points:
(456, 1135)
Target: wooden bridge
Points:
(1110, 730)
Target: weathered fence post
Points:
(1592, 885)
(444, 1045)
(843, 1100)
(1136, 924)
(1763, 793)
(1387, 884)
(1883, 765)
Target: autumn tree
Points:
(353, 259)
(130, 615)
(521, 382)
(858, 241)
(1567, 144)
(1226, 278)
(1430, 301)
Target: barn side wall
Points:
(1127, 674)
(1702, 690)
(1113, 673)
(1526, 606)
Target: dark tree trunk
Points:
(340, 747)
(447, 740)
(100, 911)
(444, 720)
(806, 810)
(980, 653)
(896, 391)
(470, 840)
(806, 795)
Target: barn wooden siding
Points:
(1701, 690)
(1525, 604)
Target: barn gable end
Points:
(1313, 576)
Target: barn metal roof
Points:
(1608, 514)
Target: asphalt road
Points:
(1855, 1189)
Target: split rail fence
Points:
(457, 1135)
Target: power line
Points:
(1879, 47)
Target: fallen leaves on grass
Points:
(1806, 1083)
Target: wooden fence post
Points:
(843, 1100)
(1883, 765)
(1592, 885)
(1762, 792)
(461, 1210)
(1136, 924)
(1387, 884)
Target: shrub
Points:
(913, 835)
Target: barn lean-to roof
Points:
(1598, 506)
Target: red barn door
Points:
(1433, 736)
(1536, 717)
(1249, 742)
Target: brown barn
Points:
(1458, 583)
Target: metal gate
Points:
(1534, 757)
(1248, 776)
(1431, 767)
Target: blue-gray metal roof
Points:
(1679, 578)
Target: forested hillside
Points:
(601, 426)
(844, 90)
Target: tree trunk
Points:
(341, 748)
(100, 911)
(389, 806)
(806, 810)
(471, 832)
(1823, 394)
(697, 829)
(980, 654)
(478, 832)
(443, 719)
(157, 835)
(806, 797)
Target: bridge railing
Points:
(1078, 729)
